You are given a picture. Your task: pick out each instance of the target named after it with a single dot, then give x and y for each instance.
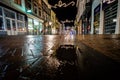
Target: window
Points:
(18, 2)
(1, 24)
(8, 26)
(30, 23)
(20, 17)
(13, 24)
(29, 6)
(0, 11)
(40, 12)
(9, 14)
(35, 9)
(29, 0)
(21, 22)
(21, 26)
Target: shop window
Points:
(18, 2)
(30, 23)
(21, 22)
(21, 26)
(20, 17)
(9, 14)
(14, 25)
(8, 26)
(1, 23)
(40, 28)
(0, 11)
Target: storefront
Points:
(11, 22)
(97, 19)
(110, 16)
(35, 25)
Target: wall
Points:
(117, 31)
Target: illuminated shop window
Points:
(18, 2)
(36, 24)
(40, 27)
(21, 26)
(30, 24)
(21, 22)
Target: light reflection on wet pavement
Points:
(19, 53)
(39, 58)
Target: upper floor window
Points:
(18, 2)
(29, 0)
(35, 9)
(40, 12)
(29, 6)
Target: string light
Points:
(61, 4)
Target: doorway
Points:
(10, 26)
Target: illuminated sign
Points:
(108, 1)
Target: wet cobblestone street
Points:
(54, 57)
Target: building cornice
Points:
(46, 2)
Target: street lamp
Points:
(50, 27)
(50, 23)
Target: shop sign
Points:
(106, 3)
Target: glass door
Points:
(10, 26)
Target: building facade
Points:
(12, 17)
(20, 17)
(34, 17)
(98, 16)
(83, 16)
(105, 17)
(46, 16)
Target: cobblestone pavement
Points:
(17, 53)
(27, 57)
(108, 45)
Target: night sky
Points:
(64, 13)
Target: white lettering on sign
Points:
(108, 1)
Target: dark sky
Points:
(64, 13)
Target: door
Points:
(10, 26)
